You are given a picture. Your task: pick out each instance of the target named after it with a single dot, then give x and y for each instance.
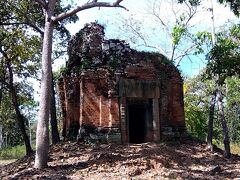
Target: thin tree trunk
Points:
(226, 141)
(234, 123)
(1, 95)
(238, 111)
(21, 123)
(54, 123)
(210, 121)
(20, 117)
(42, 139)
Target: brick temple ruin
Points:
(117, 93)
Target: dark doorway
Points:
(140, 121)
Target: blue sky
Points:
(111, 18)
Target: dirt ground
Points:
(172, 160)
(5, 162)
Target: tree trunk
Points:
(21, 123)
(226, 141)
(54, 123)
(210, 121)
(42, 142)
(42, 139)
(1, 95)
(20, 117)
(234, 123)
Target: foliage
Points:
(196, 106)
(11, 134)
(29, 16)
(177, 33)
(224, 57)
(20, 55)
(197, 93)
(14, 43)
(22, 24)
(233, 107)
(226, 54)
(203, 41)
(232, 91)
(15, 152)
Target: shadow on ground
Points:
(172, 160)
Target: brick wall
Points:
(100, 77)
(99, 109)
(87, 98)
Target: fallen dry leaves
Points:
(170, 160)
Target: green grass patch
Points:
(15, 152)
(234, 147)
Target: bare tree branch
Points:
(117, 2)
(157, 15)
(143, 38)
(85, 6)
(191, 13)
(189, 8)
(185, 53)
(173, 52)
(173, 10)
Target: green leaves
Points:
(177, 33)
(224, 57)
(196, 103)
(203, 42)
(233, 91)
(196, 106)
(19, 59)
(22, 50)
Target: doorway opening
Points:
(140, 121)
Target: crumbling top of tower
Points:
(89, 50)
